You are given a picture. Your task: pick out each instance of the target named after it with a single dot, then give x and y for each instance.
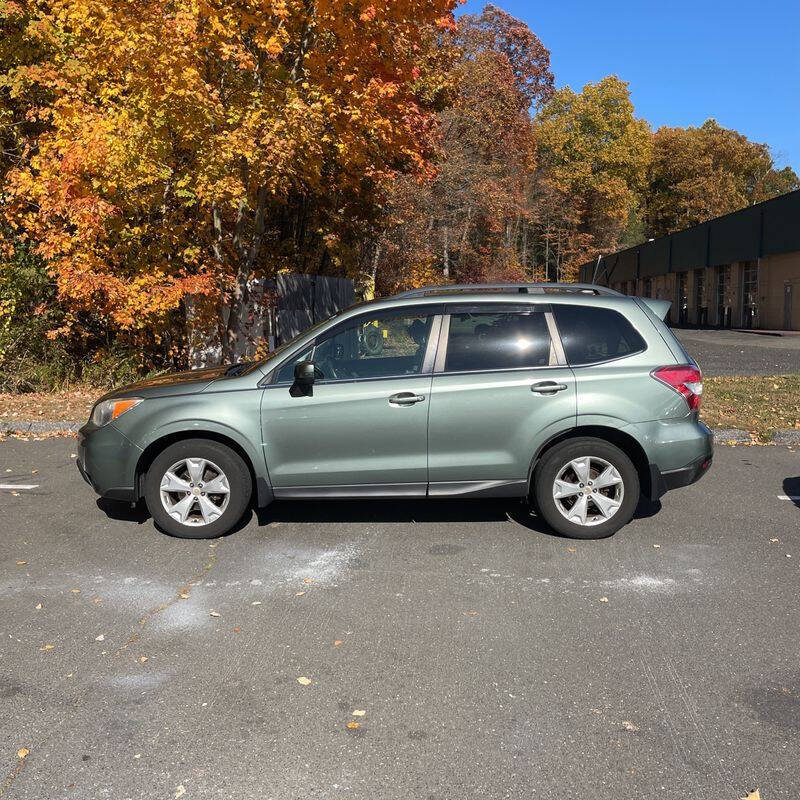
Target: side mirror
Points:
(304, 373)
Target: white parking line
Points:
(789, 497)
(19, 485)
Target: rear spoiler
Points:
(659, 307)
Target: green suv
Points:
(572, 395)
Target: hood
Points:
(175, 383)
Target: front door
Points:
(364, 428)
(500, 390)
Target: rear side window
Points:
(591, 335)
(503, 340)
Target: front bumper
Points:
(107, 461)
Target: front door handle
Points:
(406, 399)
(548, 387)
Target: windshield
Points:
(286, 345)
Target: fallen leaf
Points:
(338, 643)
(75, 591)
(299, 594)
(143, 659)
(47, 647)
(237, 629)
(23, 752)
(308, 580)
(184, 595)
(100, 638)
(15, 494)
(774, 540)
(470, 613)
(21, 563)
(180, 791)
(353, 726)
(34, 472)
(629, 726)
(657, 546)
(359, 713)
(756, 795)
(215, 614)
(603, 599)
(256, 603)
(39, 606)
(303, 681)
(572, 549)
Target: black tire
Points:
(551, 465)
(230, 463)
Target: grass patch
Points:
(71, 406)
(760, 404)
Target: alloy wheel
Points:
(195, 491)
(588, 490)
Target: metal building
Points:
(741, 270)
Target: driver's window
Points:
(286, 372)
(375, 347)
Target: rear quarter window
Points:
(592, 335)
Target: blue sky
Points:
(684, 61)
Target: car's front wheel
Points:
(586, 488)
(197, 489)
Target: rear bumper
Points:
(107, 462)
(662, 482)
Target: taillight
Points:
(684, 379)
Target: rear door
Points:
(500, 389)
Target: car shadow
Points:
(138, 513)
(791, 488)
(419, 510)
(406, 510)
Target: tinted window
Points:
(503, 340)
(591, 335)
(375, 347)
(286, 372)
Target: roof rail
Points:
(521, 288)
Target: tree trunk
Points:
(445, 254)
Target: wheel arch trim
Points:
(168, 435)
(650, 488)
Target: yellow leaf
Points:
(353, 726)
(756, 795)
(23, 752)
(303, 681)
(47, 647)
(359, 713)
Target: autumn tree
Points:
(192, 145)
(467, 222)
(700, 173)
(592, 148)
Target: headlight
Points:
(104, 412)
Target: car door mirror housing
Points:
(304, 375)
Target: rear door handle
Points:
(548, 387)
(406, 399)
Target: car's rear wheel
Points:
(586, 488)
(197, 489)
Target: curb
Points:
(28, 427)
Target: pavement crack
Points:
(6, 785)
(182, 593)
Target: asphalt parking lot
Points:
(489, 658)
(727, 352)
